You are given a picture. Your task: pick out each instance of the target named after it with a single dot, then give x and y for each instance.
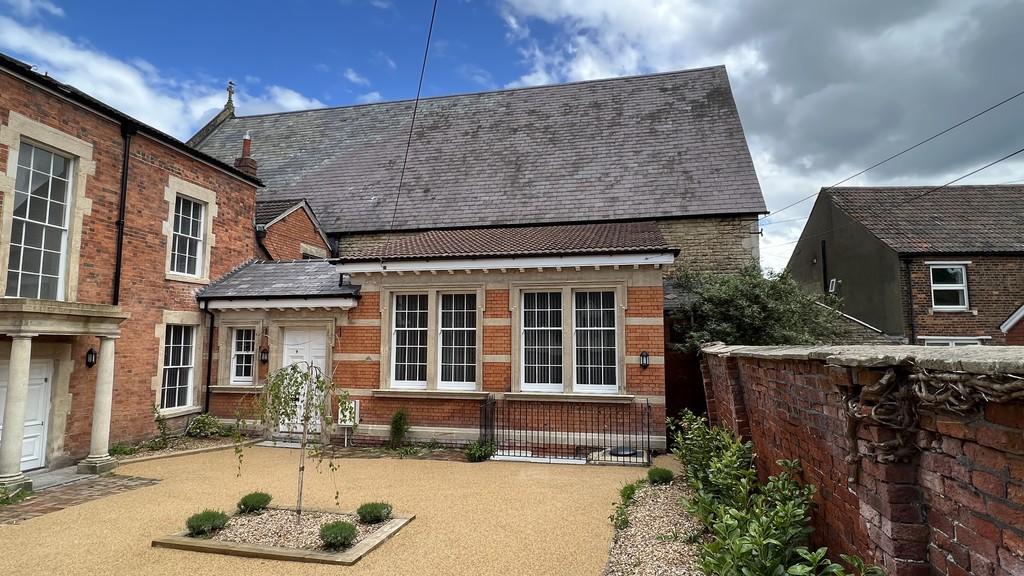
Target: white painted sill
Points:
(570, 397)
(435, 394)
(176, 412)
(186, 278)
(236, 389)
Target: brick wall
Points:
(1015, 336)
(952, 504)
(145, 293)
(285, 237)
(994, 292)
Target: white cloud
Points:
(477, 75)
(381, 4)
(382, 58)
(824, 89)
(174, 105)
(355, 77)
(369, 97)
(32, 8)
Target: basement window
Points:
(949, 287)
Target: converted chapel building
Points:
(522, 262)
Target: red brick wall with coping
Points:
(956, 506)
(285, 237)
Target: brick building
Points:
(109, 228)
(935, 267)
(522, 262)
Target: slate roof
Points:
(267, 210)
(606, 238)
(655, 146)
(280, 279)
(954, 219)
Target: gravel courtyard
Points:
(481, 519)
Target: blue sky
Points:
(823, 88)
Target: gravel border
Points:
(661, 539)
(276, 527)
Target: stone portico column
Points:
(99, 459)
(13, 435)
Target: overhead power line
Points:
(894, 156)
(412, 126)
(911, 199)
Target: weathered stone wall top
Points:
(972, 359)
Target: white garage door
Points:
(37, 411)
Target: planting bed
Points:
(276, 534)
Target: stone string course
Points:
(954, 505)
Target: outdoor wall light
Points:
(90, 358)
(264, 355)
(645, 360)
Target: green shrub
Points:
(399, 429)
(659, 475)
(755, 529)
(12, 496)
(206, 522)
(374, 512)
(254, 502)
(479, 451)
(123, 450)
(204, 426)
(338, 535)
(628, 491)
(620, 517)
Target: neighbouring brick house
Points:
(108, 229)
(523, 260)
(935, 267)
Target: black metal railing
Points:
(566, 431)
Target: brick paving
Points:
(61, 497)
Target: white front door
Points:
(37, 411)
(307, 346)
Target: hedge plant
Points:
(338, 535)
(206, 522)
(374, 512)
(658, 475)
(254, 502)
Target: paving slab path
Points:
(480, 519)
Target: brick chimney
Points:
(246, 163)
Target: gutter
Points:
(128, 129)
(209, 358)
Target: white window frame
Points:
(64, 227)
(953, 340)
(200, 239)
(233, 378)
(190, 395)
(473, 332)
(542, 387)
(596, 388)
(408, 384)
(960, 286)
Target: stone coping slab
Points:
(185, 452)
(972, 359)
(347, 557)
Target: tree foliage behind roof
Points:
(752, 308)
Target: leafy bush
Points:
(13, 496)
(627, 492)
(254, 502)
(123, 449)
(338, 535)
(659, 475)
(206, 522)
(399, 429)
(204, 426)
(479, 451)
(755, 308)
(374, 512)
(756, 529)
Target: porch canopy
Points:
(23, 319)
(281, 285)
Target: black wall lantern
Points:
(264, 355)
(90, 358)
(645, 360)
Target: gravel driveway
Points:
(480, 519)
